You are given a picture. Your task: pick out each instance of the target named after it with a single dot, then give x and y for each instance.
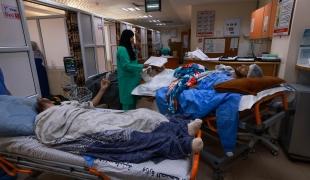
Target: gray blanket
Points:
(71, 120)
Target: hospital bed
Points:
(255, 119)
(25, 155)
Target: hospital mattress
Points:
(31, 148)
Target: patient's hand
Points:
(104, 84)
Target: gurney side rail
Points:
(65, 169)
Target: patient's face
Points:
(44, 104)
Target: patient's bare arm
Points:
(103, 86)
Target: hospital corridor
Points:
(154, 89)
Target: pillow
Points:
(17, 116)
(249, 85)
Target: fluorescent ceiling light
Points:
(150, 16)
(138, 9)
(124, 9)
(158, 20)
(145, 16)
(131, 9)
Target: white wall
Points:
(242, 10)
(287, 47)
(34, 33)
(165, 35)
(55, 40)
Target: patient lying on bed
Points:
(132, 136)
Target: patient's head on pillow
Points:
(255, 71)
(43, 104)
(252, 71)
(242, 71)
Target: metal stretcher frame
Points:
(218, 163)
(14, 164)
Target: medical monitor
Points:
(70, 66)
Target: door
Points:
(87, 45)
(93, 44)
(16, 56)
(100, 44)
(50, 33)
(113, 44)
(144, 43)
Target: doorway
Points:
(49, 37)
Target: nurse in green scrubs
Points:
(128, 70)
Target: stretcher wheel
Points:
(217, 175)
(273, 141)
(252, 150)
(274, 153)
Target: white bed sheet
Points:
(149, 88)
(167, 169)
(247, 101)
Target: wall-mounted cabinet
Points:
(262, 21)
(257, 23)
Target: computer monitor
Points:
(152, 5)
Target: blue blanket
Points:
(170, 140)
(203, 100)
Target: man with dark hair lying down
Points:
(132, 136)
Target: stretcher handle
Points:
(95, 172)
(10, 169)
(196, 158)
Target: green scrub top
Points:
(129, 76)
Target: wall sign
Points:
(232, 27)
(205, 23)
(10, 11)
(284, 17)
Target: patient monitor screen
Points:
(70, 65)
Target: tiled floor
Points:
(260, 165)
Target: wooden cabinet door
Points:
(257, 23)
(273, 17)
(266, 20)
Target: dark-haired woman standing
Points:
(128, 70)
